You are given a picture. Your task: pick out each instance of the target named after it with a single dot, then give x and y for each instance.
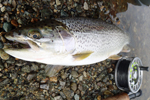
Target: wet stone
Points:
(110, 70)
(34, 67)
(85, 6)
(103, 89)
(19, 21)
(58, 98)
(11, 60)
(64, 14)
(4, 55)
(45, 13)
(74, 86)
(53, 79)
(64, 75)
(44, 86)
(106, 78)
(111, 76)
(101, 76)
(31, 76)
(8, 8)
(84, 74)
(14, 75)
(7, 26)
(68, 93)
(81, 78)
(74, 74)
(63, 95)
(6, 81)
(3, 9)
(76, 97)
(26, 68)
(108, 93)
(1, 5)
(62, 83)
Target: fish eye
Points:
(35, 34)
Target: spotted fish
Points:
(67, 41)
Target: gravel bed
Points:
(22, 80)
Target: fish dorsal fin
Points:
(115, 57)
(81, 56)
(33, 45)
(126, 48)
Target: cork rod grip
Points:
(121, 96)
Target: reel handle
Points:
(144, 68)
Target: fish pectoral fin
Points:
(52, 70)
(33, 45)
(81, 56)
(126, 48)
(115, 57)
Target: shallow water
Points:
(136, 22)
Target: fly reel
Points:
(129, 74)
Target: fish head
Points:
(37, 42)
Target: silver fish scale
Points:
(106, 35)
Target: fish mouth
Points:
(15, 44)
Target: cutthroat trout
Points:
(67, 41)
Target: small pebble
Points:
(81, 78)
(1, 5)
(3, 9)
(63, 95)
(19, 21)
(14, 3)
(85, 6)
(84, 74)
(62, 83)
(44, 86)
(74, 86)
(26, 68)
(58, 98)
(99, 97)
(53, 79)
(7, 26)
(58, 2)
(31, 76)
(76, 97)
(74, 74)
(14, 23)
(4, 55)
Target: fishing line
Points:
(122, 74)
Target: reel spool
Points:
(129, 74)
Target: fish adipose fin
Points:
(126, 48)
(52, 70)
(115, 57)
(81, 56)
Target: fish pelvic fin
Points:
(81, 56)
(115, 57)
